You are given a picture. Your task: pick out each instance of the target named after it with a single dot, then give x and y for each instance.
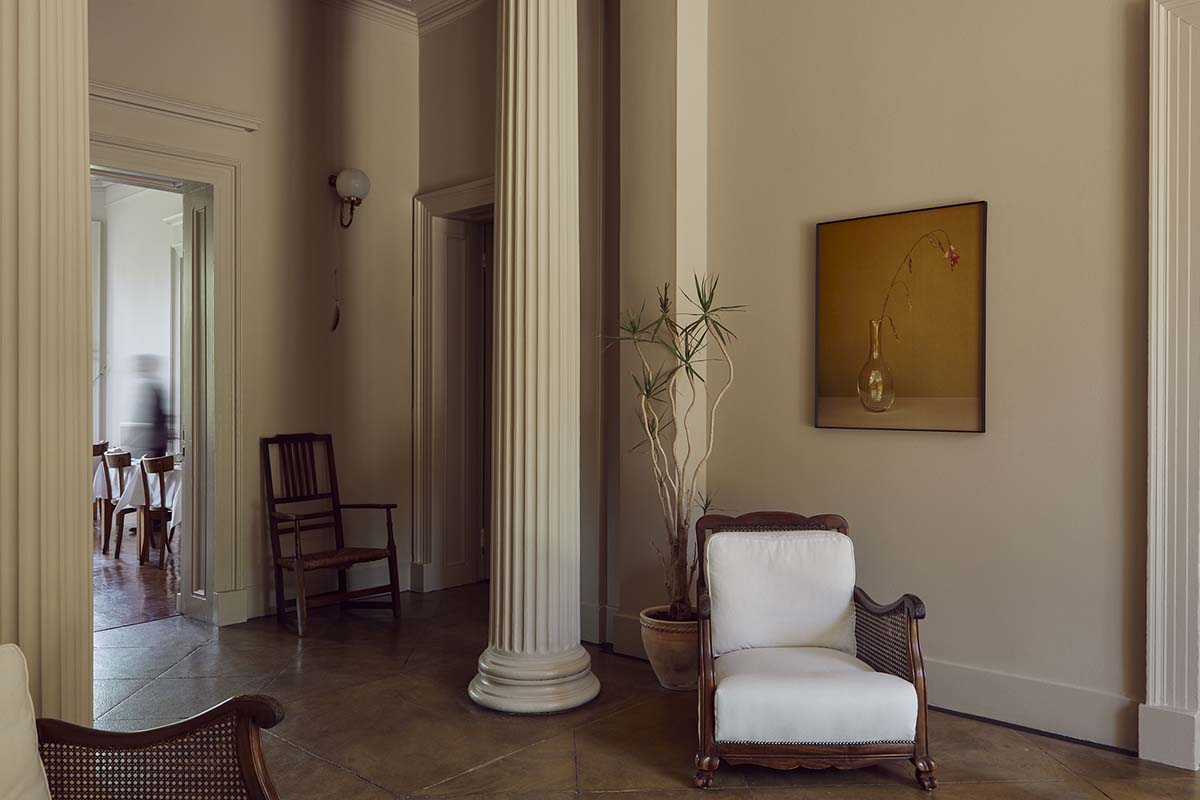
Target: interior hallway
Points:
(376, 710)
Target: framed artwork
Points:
(900, 320)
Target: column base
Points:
(534, 683)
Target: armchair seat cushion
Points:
(809, 695)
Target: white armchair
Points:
(798, 666)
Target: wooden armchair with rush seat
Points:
(799, 667)
(299, 473)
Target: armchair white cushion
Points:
(809, 695)
(780, 589)
(21, 774)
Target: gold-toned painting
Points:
(900, 320)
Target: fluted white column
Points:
(534, 662)
(45, 404)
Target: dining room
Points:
(139, 304)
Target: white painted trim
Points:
(590, 618)
(1167, 725)
(227, 533)
(389, 13)
(167, 106)
(439, 13)
(625, 633)
(427, 348)
(1076, 711)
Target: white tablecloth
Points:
(134, 496)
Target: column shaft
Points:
(45, 323)
(534, 662)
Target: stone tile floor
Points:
(379, 710)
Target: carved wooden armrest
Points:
(886, 635)
(215, 754)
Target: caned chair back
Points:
(118, 461)
(300, 476)
(99, 449)
(778, 580)
(155, 470)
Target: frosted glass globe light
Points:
(353, 183)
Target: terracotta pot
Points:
(673, 649)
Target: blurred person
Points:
(149, 405)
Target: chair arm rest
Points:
(380, 506)
(885, 636)
(910, 602)
(703, 606)
(180, 755)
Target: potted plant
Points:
(674, 352)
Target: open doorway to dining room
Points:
(150, 251)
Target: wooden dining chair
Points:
(119, 461)
(98, 451)
(307, 482)
(155, 470)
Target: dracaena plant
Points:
(674, 349)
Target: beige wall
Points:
(648, 259)
(330, 89)
(1025, 542)
(458, 100)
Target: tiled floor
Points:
(379, 710)
(124, 592)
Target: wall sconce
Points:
(352, 186)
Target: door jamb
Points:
(223, 601)
(426, 350)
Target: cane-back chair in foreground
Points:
(216, 755)
(299, 474)
(798, 666)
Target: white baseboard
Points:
(1169, 736)
(1075, 711)
(625, 633)
(229, 608)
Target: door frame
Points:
(220, 601)
(427, 349)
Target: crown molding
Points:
(168, 106)
(398, 14)
(433, 14)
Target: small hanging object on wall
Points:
(352, 187)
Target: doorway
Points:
(452, 323)
(150, 250)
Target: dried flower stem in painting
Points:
(937, 239)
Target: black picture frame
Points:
(816, 391)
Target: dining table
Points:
(134, 495)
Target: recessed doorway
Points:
(452, 323)
(150, 251)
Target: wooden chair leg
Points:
(924, 774)
(706, 765)
(162, 540)
(341, 573)
(280, 602)
(394, 574)
(120, 523)
(301, 601)
(106, 521)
